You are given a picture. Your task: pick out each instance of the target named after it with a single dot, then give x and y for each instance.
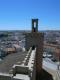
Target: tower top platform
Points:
(34, 25)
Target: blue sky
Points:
(17, 14)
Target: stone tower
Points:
(35, 39)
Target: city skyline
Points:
(17, 14)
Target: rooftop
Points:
(7, 63)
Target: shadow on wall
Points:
(43, 75)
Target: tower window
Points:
(34, 24)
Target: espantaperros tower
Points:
(35, 39)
